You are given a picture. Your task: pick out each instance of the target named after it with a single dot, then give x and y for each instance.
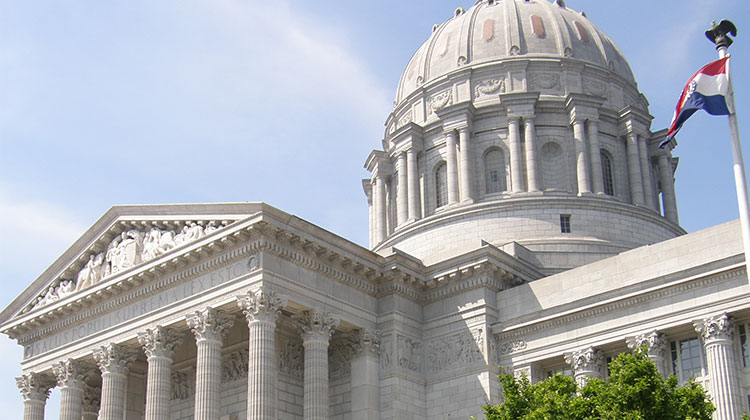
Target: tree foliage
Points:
(634, 391)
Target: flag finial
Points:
(719, 33)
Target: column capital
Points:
(366, 342)
(316, 325)
(655, 342)
(719, 327)
(262, 306)
(114, 358)
(160, 341)
(35, 386)
(582, 107)
(589, 359)
(210, 324)
(91, 398)
(71, 373)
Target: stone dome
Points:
(495, 30)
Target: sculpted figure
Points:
(210, 228)
(91, 273)
(65, 288)
(156, 243)
(189, 233)
(124, 252)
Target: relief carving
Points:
(409, 353)
(291, 358)
(406, 118)
(441, 100)
(490, 86)
(386, 352)
(183, 384)
(340, 354)
(235, 366)
(455, 351)
(595, 88)
(510, 347)
(127, 250)
(544, 81)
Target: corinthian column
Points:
(586, 363)
(114, 361)
(159, 344)
(35, 389)
(70, 376)
(656, 348)
(452, 168)
(316, 327)
(365, 380)
(91, 398)
(717, 333)
(262, 310)
(209, 326)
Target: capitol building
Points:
(521, 217)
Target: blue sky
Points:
(137, 101)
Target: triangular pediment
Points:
(124, 238)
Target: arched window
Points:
(441, 184)
(609, 184)
(494, 172)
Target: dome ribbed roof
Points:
(494, 30)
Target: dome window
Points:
(609, 184)
(537, 25)
(494, 172)
(441, 185)
(583, 34)
(488, 29)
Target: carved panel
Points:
(457, 350)
(441, 100)
(544, 81)
(183, 384)
(510, 347)
(409, 353)
(489, 87)
(386, 353)
(291, 357)
(595, 88)
(235, 366)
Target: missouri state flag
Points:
(707, 89)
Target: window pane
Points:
(494, 169)
(441, 185)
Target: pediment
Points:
(124, 238)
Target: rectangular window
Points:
(565, 223)
(688, 359)
(744, 350)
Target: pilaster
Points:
(365, 379)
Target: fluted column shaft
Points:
(91, 398)
(634, 170)
(114, 361)
(209, 327)
(666, 181)
(317, 327)
(532, 166)
(582, 172)
(159, 344)
(648, 189)
(261, 310)
(597, 178)
(70, 379)
(724, 385)
(412, 180)
(464, 141)
(452, 169)
(380, 210)
(516, 164)
(402, 199)
(365, 379)
(35, 389)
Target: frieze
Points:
(441, 100)
(595, 88)
(409, 353)
(406, 118)
(291, 357)
(129, 249)
(489, 87)
(454, 351)
(510, 347)
(543, 81)
(183, 384)
(235, 366)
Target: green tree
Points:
(634, 391)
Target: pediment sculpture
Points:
(129, 249)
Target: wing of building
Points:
(521, 215)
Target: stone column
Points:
(464, 141)
(114, 361)
(724, 385)
(413, 181)
(380, 210)
(656, 348)
(582, 162)
(597, 177)
(91, 398)
(402, 199)
(634, 169)
(316, 327)
(516, 164)
(648, 189)
(262, 310)
(666, 181)
(209, 326)
(532, 165)
(365, 379)
(159, 344)
(70, 378)
(35, 389)
(587, 363)
(452, 169)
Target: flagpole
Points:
(719, 34)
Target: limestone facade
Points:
(510, 207)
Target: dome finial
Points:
(560, 3)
